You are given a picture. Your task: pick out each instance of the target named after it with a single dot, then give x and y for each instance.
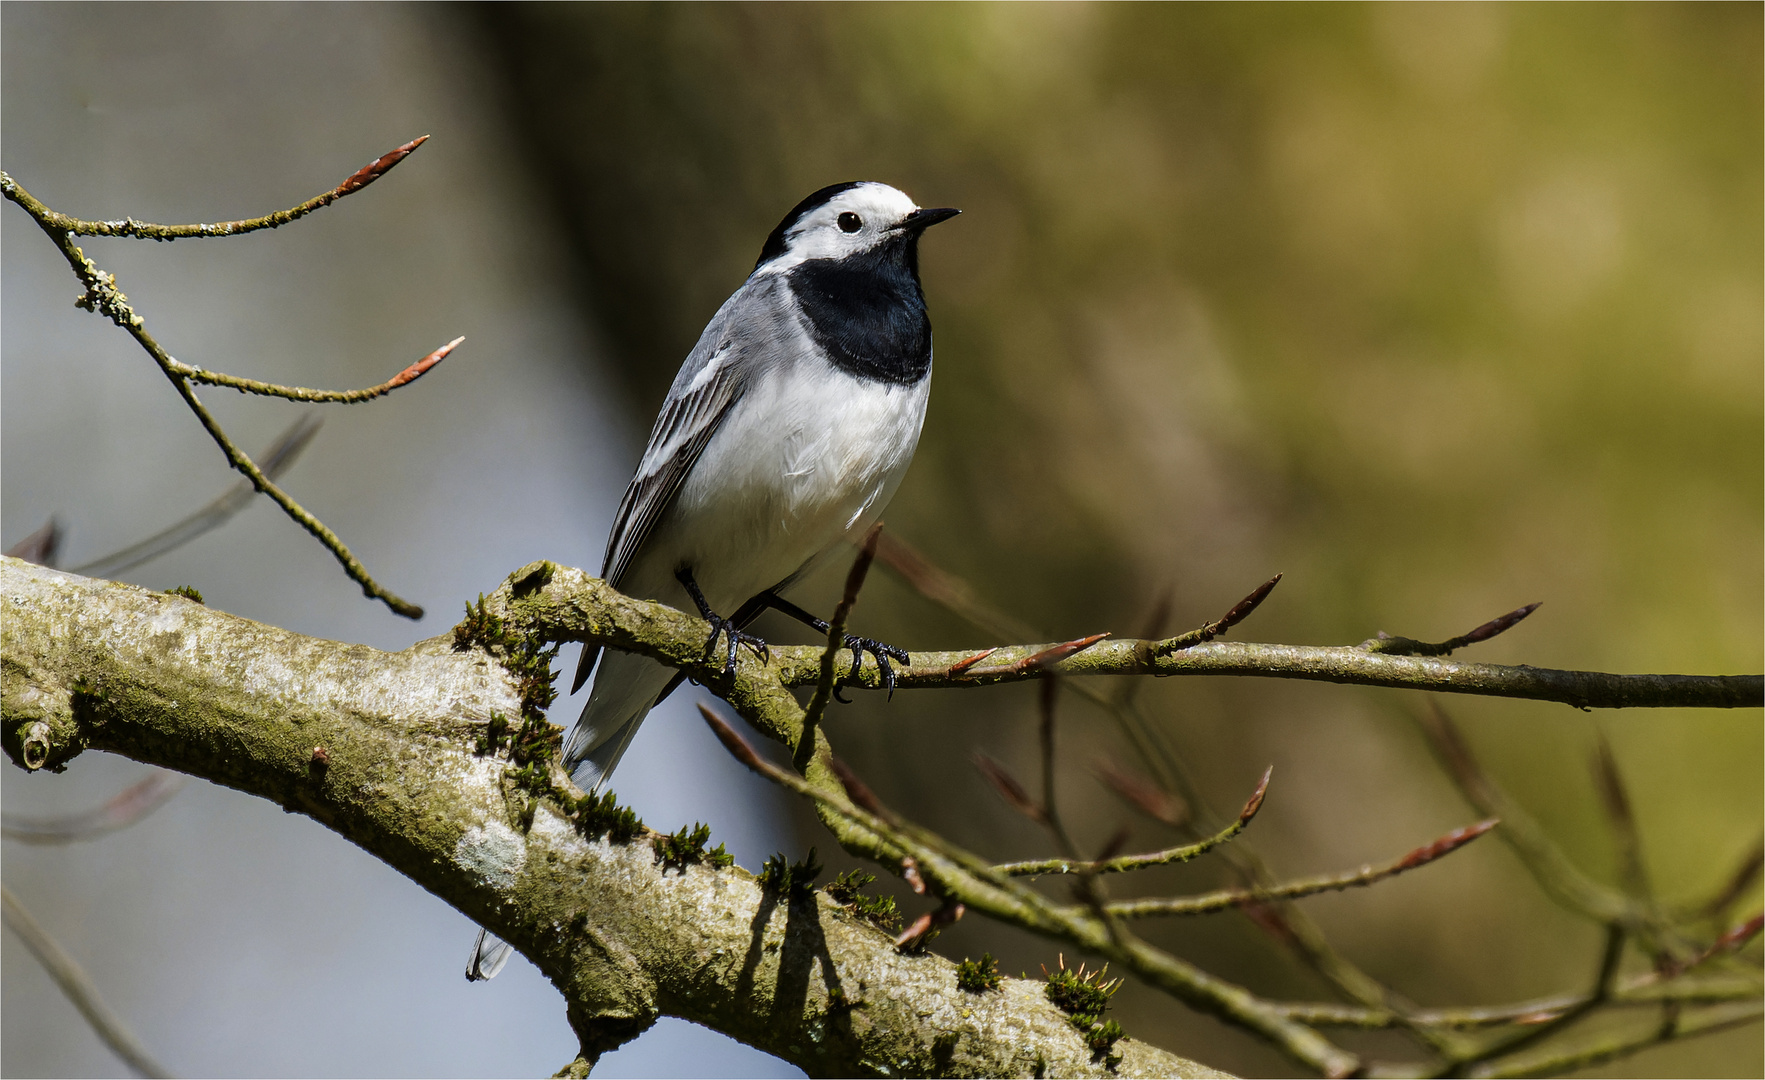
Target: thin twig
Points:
(41, 547)
(1613, 1048)
(1738, 883)
(946, 589)
(1403, 646)
(1366, 875)
(1011, 791)
(1560, 878)
(1605, 976)
(1645, 991)
(1048, 698)
(1240, 611)
(300, 393)
(961, 877)
(351, 565)
(78, 987)
(1297, 931)
(103, 297)
(124, 809)
(1167, 857)
(1615, 800)
(836, 637)
(277, 459)
(1732, 940)
(1322, 663)
(141, 230)
(1142, 794)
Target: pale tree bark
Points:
(439, 761)
(381, 748)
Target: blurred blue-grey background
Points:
(1437, 309)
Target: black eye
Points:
(850, 222)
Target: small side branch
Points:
(1240, 611)
(103, 297)
(142, 230)
(960, 878)
(1613, 1048)
(1646, 991)
(78, 987)
(300, 393)
(1366, 875)
(276, 459)
(827, 675)
(1561, 879)
(119, 812)
(1167, 857)
(1403, 646)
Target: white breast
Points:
(807, 456)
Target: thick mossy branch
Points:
(440, 761)
(91, 664)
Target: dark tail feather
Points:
(585, 665)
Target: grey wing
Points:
(689, 418)
(699, 399)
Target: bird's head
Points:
(847, 219)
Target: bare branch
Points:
(836, 631)
(1142, 794)
(1738, 882)
(124, 809)
(41, 547)
(78, 987)
(624, 935)
(1011, 791)
(1615, 799)
(278, 458)
(320, 531)
(1167, 857)
(141, 230)
(1732, 940)
(1335, 664)
(300, 393)
(960, 877)
(947, 589)
(1366, 875)
(1560, 878)
(104, 298)
(1621, 1046)
(1403, 646)
(1644, 991)
(1605, 977)
(1240, 611)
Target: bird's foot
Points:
(721, 626)
(859, 645)
(883, 653)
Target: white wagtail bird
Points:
(786, 431)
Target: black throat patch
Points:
(867, 311)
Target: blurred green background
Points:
(1438, 309)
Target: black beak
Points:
(921, 220)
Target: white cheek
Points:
(820, 243)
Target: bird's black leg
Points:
(859, 645)
(720, 625)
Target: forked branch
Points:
(103, 297)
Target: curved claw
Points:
(757, 645)
(883, 653)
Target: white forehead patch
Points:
(818, 235)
